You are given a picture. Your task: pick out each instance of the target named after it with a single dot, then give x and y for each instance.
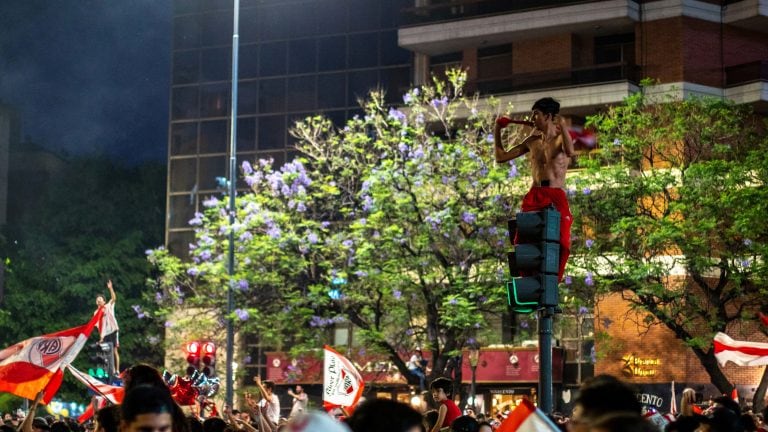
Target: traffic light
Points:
(193, 355)
(534, 263)
(337, 284)
(209, 359)
(102, 359)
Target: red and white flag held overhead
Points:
(105, 393)
(36, 364)
(740, 352)
(527, 418)
(342, 383)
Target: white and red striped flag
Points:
(740, 352)
(527, 418)
(342, 383)
(105, 393)
(36, 364)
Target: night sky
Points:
(89, 77)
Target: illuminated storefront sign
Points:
(635, 366)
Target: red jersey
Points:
(452, 412)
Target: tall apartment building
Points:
(296, 58)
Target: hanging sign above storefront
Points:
(635, 366)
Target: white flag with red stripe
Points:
(740, 352)
(527, 418)
(342, 383)
(36, 364)
(105, 393)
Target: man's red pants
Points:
(539, 198)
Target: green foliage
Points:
(88, 225)
(676, 188)
(404, 205)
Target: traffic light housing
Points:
(534, 263)
(209, 359)
(193, 354)
(102, 361)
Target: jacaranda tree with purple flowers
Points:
(394, 225)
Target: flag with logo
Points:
(37, 364)
(740, 352)
(527, 418)
(105, 394)
(342, 383)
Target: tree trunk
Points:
(716, 375)
(758, 402)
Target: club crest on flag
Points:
(47, 351)
(342, 384)
(340, 380)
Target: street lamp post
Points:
(474, 356)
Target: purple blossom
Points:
(397, 294)
(583, 310)
(247, 359)
(168, 324)
(588, 279)
(747, 242)
(489, 138)
(193, 271)
(524, 324)
(312, 238)
(745, 263)
(247, 168)
(325, 224)
(568, 280)
(136, 308)
(149, 252)
(403, 147)
(512, 170)
(468, 217)
(407, 98)
(471, 341)
(453, 301)
(205, 255)
(396, 114)
(211, 202)
(483, 299)
(437, 103)
(197, 220)
(571, 192)
(586, 191)
(242, 284)
(361, 273)
(589, 243)
(246, 236)
(242, 314)
(409, 332)
(158, 296)
(367, 203)
(347, 243)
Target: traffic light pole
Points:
(230, 392)
(545, 358)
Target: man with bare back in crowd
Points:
(551, 149)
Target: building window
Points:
(441, 63)
(216, 28)
(332, 53)
(183, 139)
(186, 67)
(271, 133)
(214, 100)
(248, 97)
(494, 62)
(273, 59)
(183, 174)
(248, 61)
(300, 94)
(363, 50)
(178, 243)
(181, 210)
(186, 32)
(331, 90)
(302, 57)
(360, 85)
(391, 53)
(213, 136)
(210, 169)
(184, 102)
(615, 49)
(246, 134)
(216, 64)
(272, 95)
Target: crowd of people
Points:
(604, 404)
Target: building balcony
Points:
(452, 26)
(748, 14)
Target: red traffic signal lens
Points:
(209, 348)
(193, 348)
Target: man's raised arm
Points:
(112, 296)
(516, 151)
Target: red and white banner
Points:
(740, 352)
(105, 393)
(36, 364)
(527, 418)
(342, 383)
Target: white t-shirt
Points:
(108, 323)
(273, 408)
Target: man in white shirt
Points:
(108, 328)
(269, 401)
(300, 400)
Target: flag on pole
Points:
(527, 418)
(673, 401)
(740, 352)
(735, 394)
(342, 383)
(37, 364)
(105, 393)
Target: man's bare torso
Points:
(548, 161)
